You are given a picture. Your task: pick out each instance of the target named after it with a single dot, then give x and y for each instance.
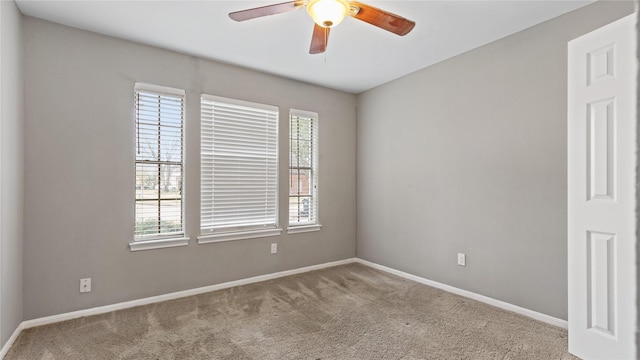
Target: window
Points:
(159, 122)
(303, 171)
(239, 169)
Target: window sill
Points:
(303, 229)
(240, 235)
(158, 243)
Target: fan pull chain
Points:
(326, 41)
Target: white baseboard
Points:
(485, 299)
(156, 299)
(12, 339)
(176, 295)
(180, 294)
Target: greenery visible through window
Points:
(159, 155)
(303, 168)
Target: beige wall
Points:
(11, 169)
(469, 155)
(79, 172)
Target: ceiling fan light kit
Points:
(329, 13)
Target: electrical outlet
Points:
(274, 248)
(85, 285)
(462, 259)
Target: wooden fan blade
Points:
(249, 14)
(383, 19)
(319, 39)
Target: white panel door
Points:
(601, 192)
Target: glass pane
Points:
(293, 153)
(304, 153)
(171, 216)
(171, 181)
(302, 128)
(299, 210)
(304, 177)
(159, 127)
(146, 181)
(147, 141)
(293, 210)
(293, 182)
(171, 143)
(158, 199)
(146, 217)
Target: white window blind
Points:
(303, 168)
(239, 165)
(159, 121)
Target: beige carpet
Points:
(345, 312)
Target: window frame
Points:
(231, 232)
(159, 240)
(313, 224)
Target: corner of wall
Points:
(11, 169)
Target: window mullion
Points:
(159, 167)
(298, 178)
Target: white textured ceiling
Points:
(359, 56)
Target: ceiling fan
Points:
(329, 13)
